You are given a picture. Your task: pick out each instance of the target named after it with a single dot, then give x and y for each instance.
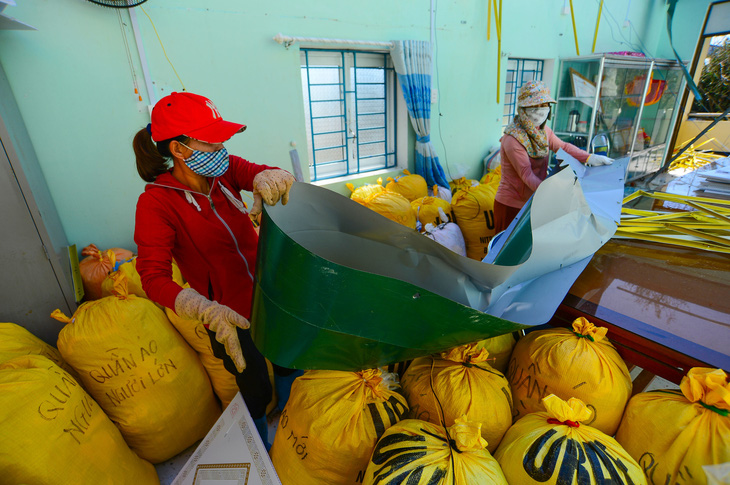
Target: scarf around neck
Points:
(530, 136)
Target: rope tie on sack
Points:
(567, 422)
(579, 335)
(449, 440)
(721, 412)
(469, 365)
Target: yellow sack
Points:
(223, 382)
(492, 178)
(500, 350)
(141, 371)
(552, 447)
(134, 282)
(330, 425)
(465, 384)
(581, 363)
(461, 183)
(415, 452)
(194, 332)
(674, 434)
(364, 192)
(473, 211)
(393, 206)
(427, 210)
(16, 341)
(54, 432)
(411, 186)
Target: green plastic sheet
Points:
(339, 287)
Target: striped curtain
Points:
(412, 62)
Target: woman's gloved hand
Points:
(595, 160)
(221, 319)
(269, 186)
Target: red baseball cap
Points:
(192, 115)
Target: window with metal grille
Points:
(519, 71)
(350, 111)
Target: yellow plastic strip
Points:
(707, 210)
(636, 212)
(699, 234)
(598, 21)
(575, 32)
(661, 216)
(489, 17)
(498, 21)
(683, 199)
(673, 241)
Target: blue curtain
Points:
(412, 62)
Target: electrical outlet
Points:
(627, 23)
(434, 96)
(566, 10)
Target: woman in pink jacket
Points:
(525, 151)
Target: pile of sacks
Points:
(552, 407)
(460, 217)
(128, 385)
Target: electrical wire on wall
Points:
(129, 55)
(163, 48)
(438, 89)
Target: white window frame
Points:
(400, 126)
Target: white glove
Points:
(269, 186)
(595, 160)
(221, 319)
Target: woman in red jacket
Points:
(525, 149)
(191, 210)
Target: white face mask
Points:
(537, 115)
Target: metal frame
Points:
(347, 121)
(616, 60)
(517, 83)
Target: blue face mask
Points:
(208, 164)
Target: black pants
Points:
(253, 382)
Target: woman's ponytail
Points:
(150, 163)
(152, 157)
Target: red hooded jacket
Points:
(212, 241)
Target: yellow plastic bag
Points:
(581, 363)
(427, 210)
(54, 432)
(134, 282)
(141, 371)
(16, 341)
(393, 206)
(552, 447)
(465, 384)
(223, 382)
(95, 267)
(674, 434)
(460, 183)
(492, 177)
(415, 452)
(410, 185)
(500, 350)
(330, 425)
(473, 212)
(364, 192)
(194, 332)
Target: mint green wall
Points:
(73, 82)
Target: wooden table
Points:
(667, 308)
